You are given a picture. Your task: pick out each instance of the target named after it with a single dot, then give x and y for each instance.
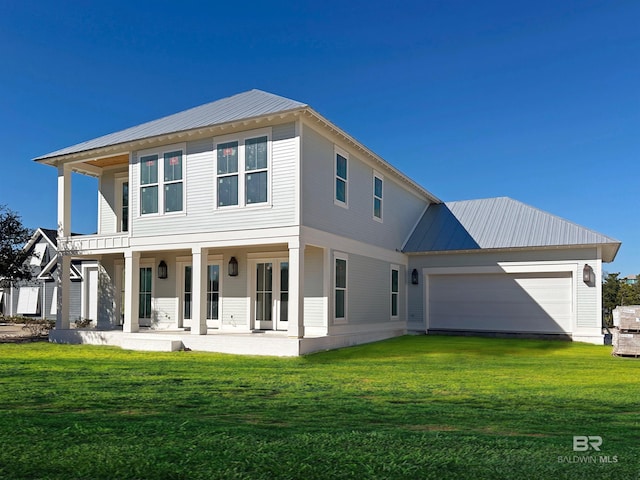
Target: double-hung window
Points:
(340, 289)
(242, 169)
(395, 290)
(227, 174)
(255, 150)
(173, 181)
(377, 196)
(341, 184)
(161, 181)
(149, 184)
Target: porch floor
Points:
(259, 342)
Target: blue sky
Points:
(538, 101)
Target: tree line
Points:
(616, 291)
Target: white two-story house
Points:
(254, 225)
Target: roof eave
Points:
(137, 144)
(609, 250)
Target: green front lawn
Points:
(413, 407)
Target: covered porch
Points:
(261, 297)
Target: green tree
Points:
(610, 296)
(13, 237)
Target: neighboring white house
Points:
(37, 298)
(254, 225)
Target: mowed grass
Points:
(412, 407)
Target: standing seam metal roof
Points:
(253, 103)
(495, 223)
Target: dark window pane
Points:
(149, 169)
(227, 157)
(377, 208)
(341, 166)
(284, 276)
(394, 305)
(394, 281)
(173, 166)
(378, 187)
(125, 207)
(284, 307)
(173, 197)
(149, 199)
(256, 153)
(340, 304)
(341, 273)
(228, 191)
(256, 187)
(341, 190)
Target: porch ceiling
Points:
(110, 161)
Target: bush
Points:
(38, 327)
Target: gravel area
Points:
(15, 332)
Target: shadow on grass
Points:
(410, 347)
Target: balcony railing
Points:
(84, 244)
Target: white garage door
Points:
(526, 303)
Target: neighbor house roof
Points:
(254, 103)
(499, 223)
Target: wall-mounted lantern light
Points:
(233, 267)
(414, 277)
(587, 271)
(162, 270)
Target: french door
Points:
(271, 295)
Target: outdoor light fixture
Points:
(162, 270)
(233, 267)
(586, 273)
(414, 277)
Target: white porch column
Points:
(64, 286)
(296, 290)
(199, 294)
(64, 201)
(131, 291)
(64, 262)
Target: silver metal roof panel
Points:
(253, 103)
(499, 223)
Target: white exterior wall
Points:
(587, 311)
(401, 208)
(315, 302)
(200, 213)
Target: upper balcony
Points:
(94, 244)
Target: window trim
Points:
(377, 176)
(147, 263)
(241, 138)
(120, 180)
(338, 151)
(160, 183)
(394, 268)
(340, 256)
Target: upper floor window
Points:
(149, 184)
(173, 181)
(243, 170)
(256, 167)
(377, 196)
(341, 172)
(227, 174)
(161, 171)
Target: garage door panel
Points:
(501, 302)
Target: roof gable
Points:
(499, 223)
(242, 106)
